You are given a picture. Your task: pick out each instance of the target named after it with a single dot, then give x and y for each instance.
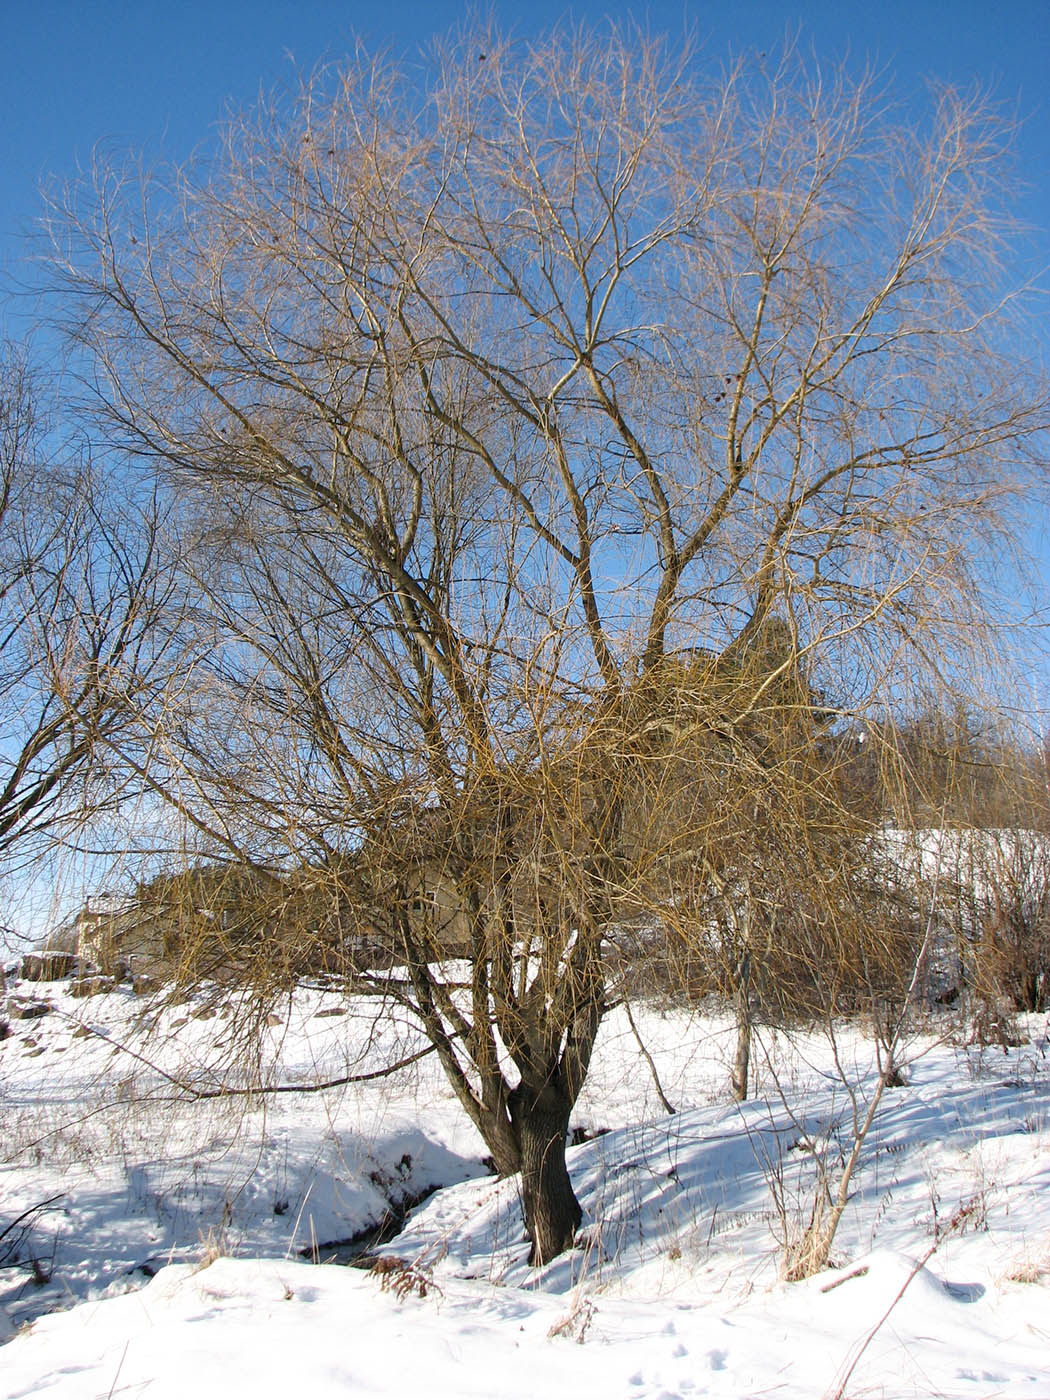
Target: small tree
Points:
(83, 589)
(487, 398)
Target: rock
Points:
(49, 965)
(143, 985)
(26, 1010)
(91, 986)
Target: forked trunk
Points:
(552, 1212)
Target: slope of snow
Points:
(266, 1328)
(177, 1232)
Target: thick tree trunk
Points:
(501, 1138)
(552, 1212)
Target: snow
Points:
(179, 1238)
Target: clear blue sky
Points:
(160, 72)
(75, 72)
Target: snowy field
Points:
(158, 1246)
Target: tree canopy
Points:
(509, 409)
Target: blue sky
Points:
(160, 72)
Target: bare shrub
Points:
(1011, 951)
(403, 1278)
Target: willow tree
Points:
(489, 392)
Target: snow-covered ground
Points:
(173, 1240)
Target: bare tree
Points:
(82, 589)
(506, 408)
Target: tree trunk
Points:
(552, 1212)
(501, 1139)
(738, 1076)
